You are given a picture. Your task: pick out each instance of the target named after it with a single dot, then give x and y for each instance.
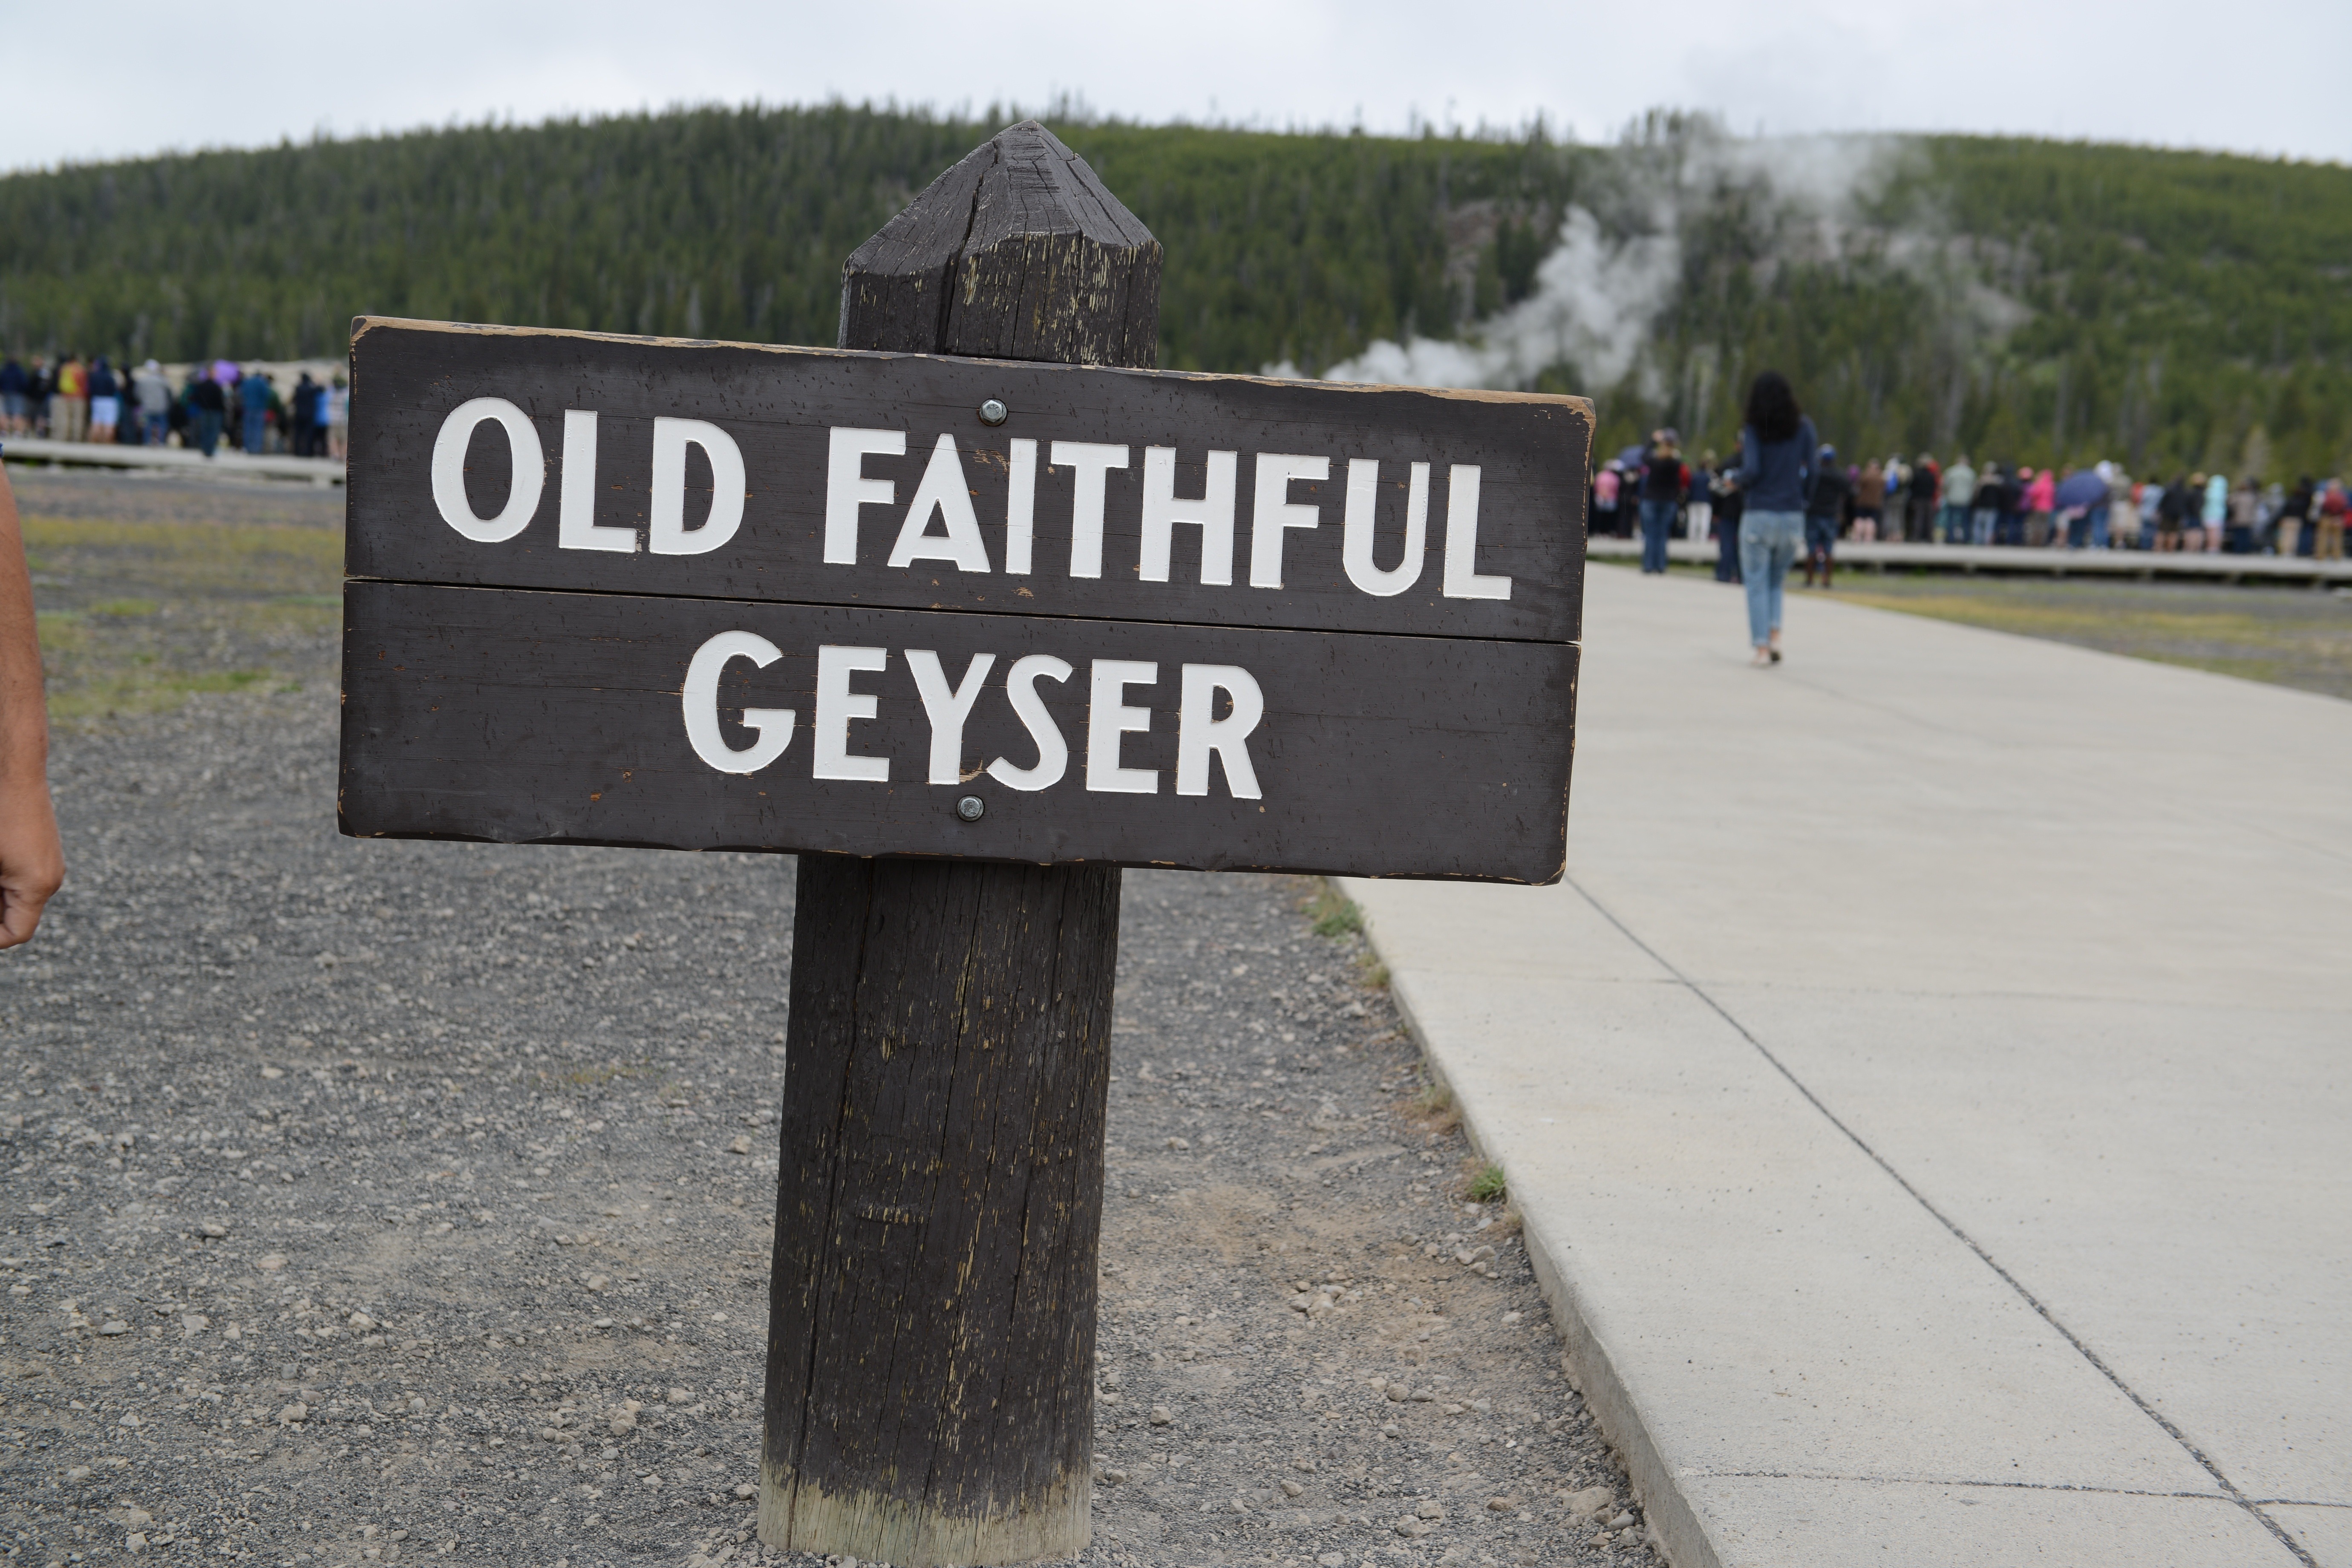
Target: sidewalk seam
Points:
(2229, 1488)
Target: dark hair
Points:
(1772, 406)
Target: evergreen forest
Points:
(2024, 301)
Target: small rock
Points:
(680, 1396)
(746, 1489)
(1160, 1416)
(599, 1282)
(741, 1146)
(194, 1323)
(1182, 1145)
(1398, 1391)
(79, 1473)
(272, 1263)
(651, 1477)
(1412, 1527)
(1510, 1317)
(1624, 1520)
(294, 1414)
(212, 1229)
(1291, 1489)
(135, 1541)
(1504, 1504)
(1114, 1477)
(361, 1320)
(1429, 1508)
(1590, 1502)
(624, 1420)
(273, 1072)
(113, 1326)
(138, 1518)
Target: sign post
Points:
(969, 613)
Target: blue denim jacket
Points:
(1774, 475)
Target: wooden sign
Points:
(705, 596)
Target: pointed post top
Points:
(1017, 252)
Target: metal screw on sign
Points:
(969, 807)
(993, 412)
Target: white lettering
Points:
(1053, 752)
(942, 491)
(666, 532)
(1212, 513)
(947, 709)
(1109, 717)
(836, 705)
(1273, 511)
(575, 512)
(701, 699)
(530, 464)
(846, 487)
(1200, 732)
(1091, 460)
(1462, 580)
(1019, 506)
(1356, 544)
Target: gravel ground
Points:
(391, 1202)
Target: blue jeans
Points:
(1768, 543)
(1657, 522)
(208, 428)
(1952, 524)
(256, 426)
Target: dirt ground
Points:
(382, 1201)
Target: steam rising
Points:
(1627, 253)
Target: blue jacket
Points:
(254, 393)
(1773, 475)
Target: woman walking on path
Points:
(1776, 459)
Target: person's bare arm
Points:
(32, 860)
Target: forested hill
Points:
(2031, 301)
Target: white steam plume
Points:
(1599, 293)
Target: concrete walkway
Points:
(2006, 559)
(1930, 1096)
(177, 460)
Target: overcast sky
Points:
(2256, 76)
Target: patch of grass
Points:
(2286, 636)
(1371, 973)
(1487, 1184)
(1334, 915)
(1434, 1108)
(124, 607)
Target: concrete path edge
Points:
(1673, 1521)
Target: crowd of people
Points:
(217, 400)
(1785, 496)
(1655, 490)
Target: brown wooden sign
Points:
(704, 595)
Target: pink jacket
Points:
(2041, 495)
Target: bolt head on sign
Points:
(709, 596)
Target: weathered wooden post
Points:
(931, 1329)
(693, 595)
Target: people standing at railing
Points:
(253, 397)
(105, 402)
(1730, 504)
(2216, 510)
(154, 403)
(1869, 501)
(209, 402)
(2123, 510)
(2287, 529)
(1607, 487)
(1922, 492)
(15, 383)
(2333, 507)
(338, 400)
(1665, 479)
(69, 403)
(2244, 524)
(1828, 495)
(1959, 488)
